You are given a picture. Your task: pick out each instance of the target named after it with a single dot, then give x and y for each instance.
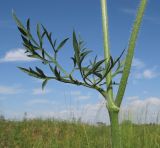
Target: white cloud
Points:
(141, 110)
(131, 11)
(7, 90)
(39, 91)
(138, 64)
(150, 104)
(154, 20)
(90, 113)
(15, 55)
(83, 97)
(146, 74)
(149, 74)
(136, 109)
(93, 107)
(141, 72)
(135, 101)
(132, 98)
(38, 101)
(78, 95)
(75, 93)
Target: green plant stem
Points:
(106, 39)
(113, 110)
(130, 54)
(115, 129)
(109, 93)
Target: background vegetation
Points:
(40, 133)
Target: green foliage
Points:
(62, 134)
(93, 75)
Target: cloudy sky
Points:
(20, 93)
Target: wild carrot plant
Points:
(98, 74)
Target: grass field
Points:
(39, 133)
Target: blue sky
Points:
(20, 93)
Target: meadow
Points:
(38, 133)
